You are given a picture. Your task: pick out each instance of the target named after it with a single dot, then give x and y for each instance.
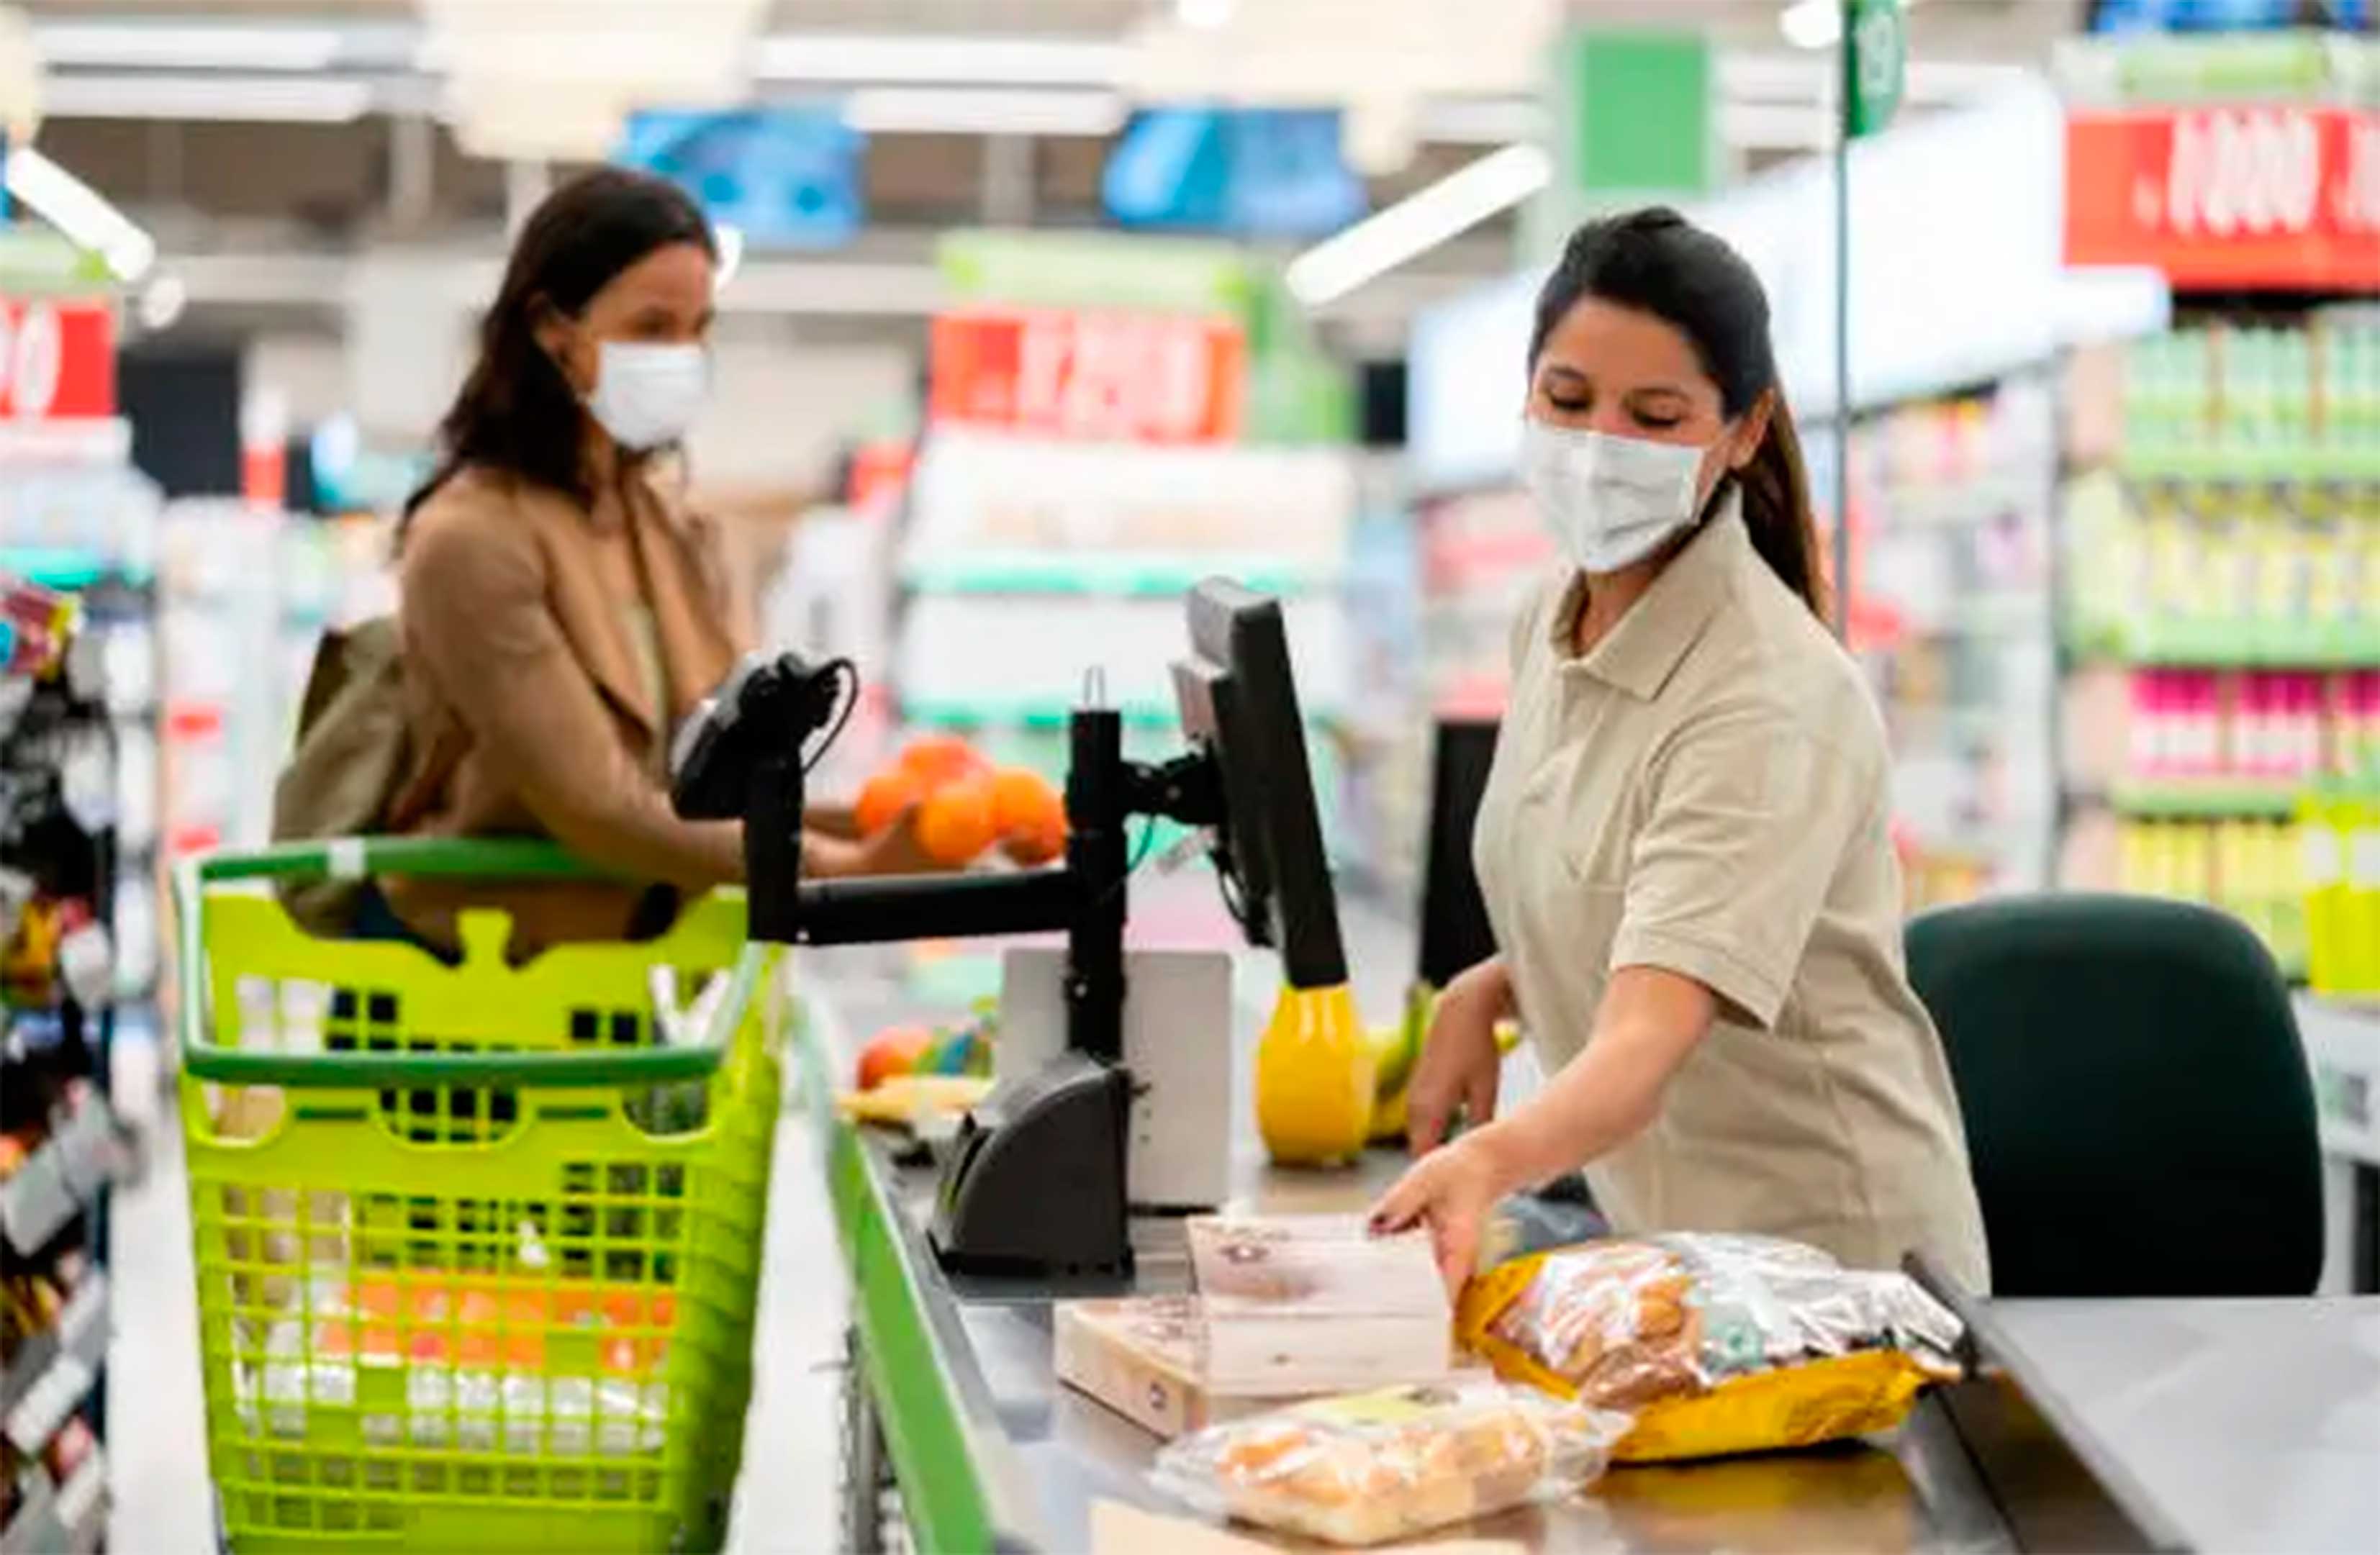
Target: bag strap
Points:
(413, 800)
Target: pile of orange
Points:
(964, 804)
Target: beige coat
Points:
(524, 621)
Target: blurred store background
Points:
(1040, 309)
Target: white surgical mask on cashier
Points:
(1609, 501)
(646, 396)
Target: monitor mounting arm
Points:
(742, 756)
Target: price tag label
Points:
(57, 359)
(1099, 376)
(2233, 195)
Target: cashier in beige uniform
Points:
(1682, 844)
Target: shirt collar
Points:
(1644, 650)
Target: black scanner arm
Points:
(1034, 1183)
(742, 755)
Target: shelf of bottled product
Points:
(928, 713)
(69, 1518)
(2210, 799)
(62, 968)
(2267, 644)
(2219, 463)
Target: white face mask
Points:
(1609, 501)
(647, 395)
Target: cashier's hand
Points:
(1460, 1063)
(1451, 1191)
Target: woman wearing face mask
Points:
(561, 609)
(1682, 844)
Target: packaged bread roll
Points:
(1717, 1343)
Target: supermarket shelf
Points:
(104, 441)
(2207, 799)
(1106, 574)
(53, 1372)
(1960, 504)
(941, 713)
(72, 1517)
(2299, 645)
(2311, 463)
(52, 1188)
(1026, 713)
(64, 568)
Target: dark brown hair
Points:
(517, 412)
(1657, 261)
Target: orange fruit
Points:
(936, 759)
(896, 1050)
(884, 797)
(955, 825)
(1030, 815)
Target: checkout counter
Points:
(2215, 1425)
(2084, 1424)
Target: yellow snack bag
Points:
(1717, 1343)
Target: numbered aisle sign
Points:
(1099, 375)
(2228, 196)
(1876, 54)
(57, 359)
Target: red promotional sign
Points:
(57, 359)
(2286, 198)
(1138, 377)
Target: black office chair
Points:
(2138, 1105)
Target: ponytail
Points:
(1777, 510)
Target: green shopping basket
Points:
(477, 1246)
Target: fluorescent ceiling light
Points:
(81, 212)
(1776, 127)
(1816, 24)
(1811, 24)
(1481, 121)
(1418, 224)
(254, 99)
(147, 46)
(826, 57)
(986, 111)
(1772, 77)
(1205, 15)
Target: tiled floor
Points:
(156, 1446)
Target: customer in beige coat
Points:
(563, 611)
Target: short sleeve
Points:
(1749, 820)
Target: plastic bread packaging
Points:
(1370, 1468)
(1717, 1343)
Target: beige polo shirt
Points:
(1705, 792)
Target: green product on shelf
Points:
(478, 1245)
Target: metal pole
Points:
(1844, 86)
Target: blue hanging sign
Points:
(788, 178)
(1248, 172)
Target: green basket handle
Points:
(479, 858)
(521, 858)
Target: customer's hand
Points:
(895, 850)
(1460, 1063)
(1451, 1191)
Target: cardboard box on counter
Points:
(1145, 1357)
(1303, 1305)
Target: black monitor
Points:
(1238, 702)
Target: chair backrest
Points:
(2137, 1100)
